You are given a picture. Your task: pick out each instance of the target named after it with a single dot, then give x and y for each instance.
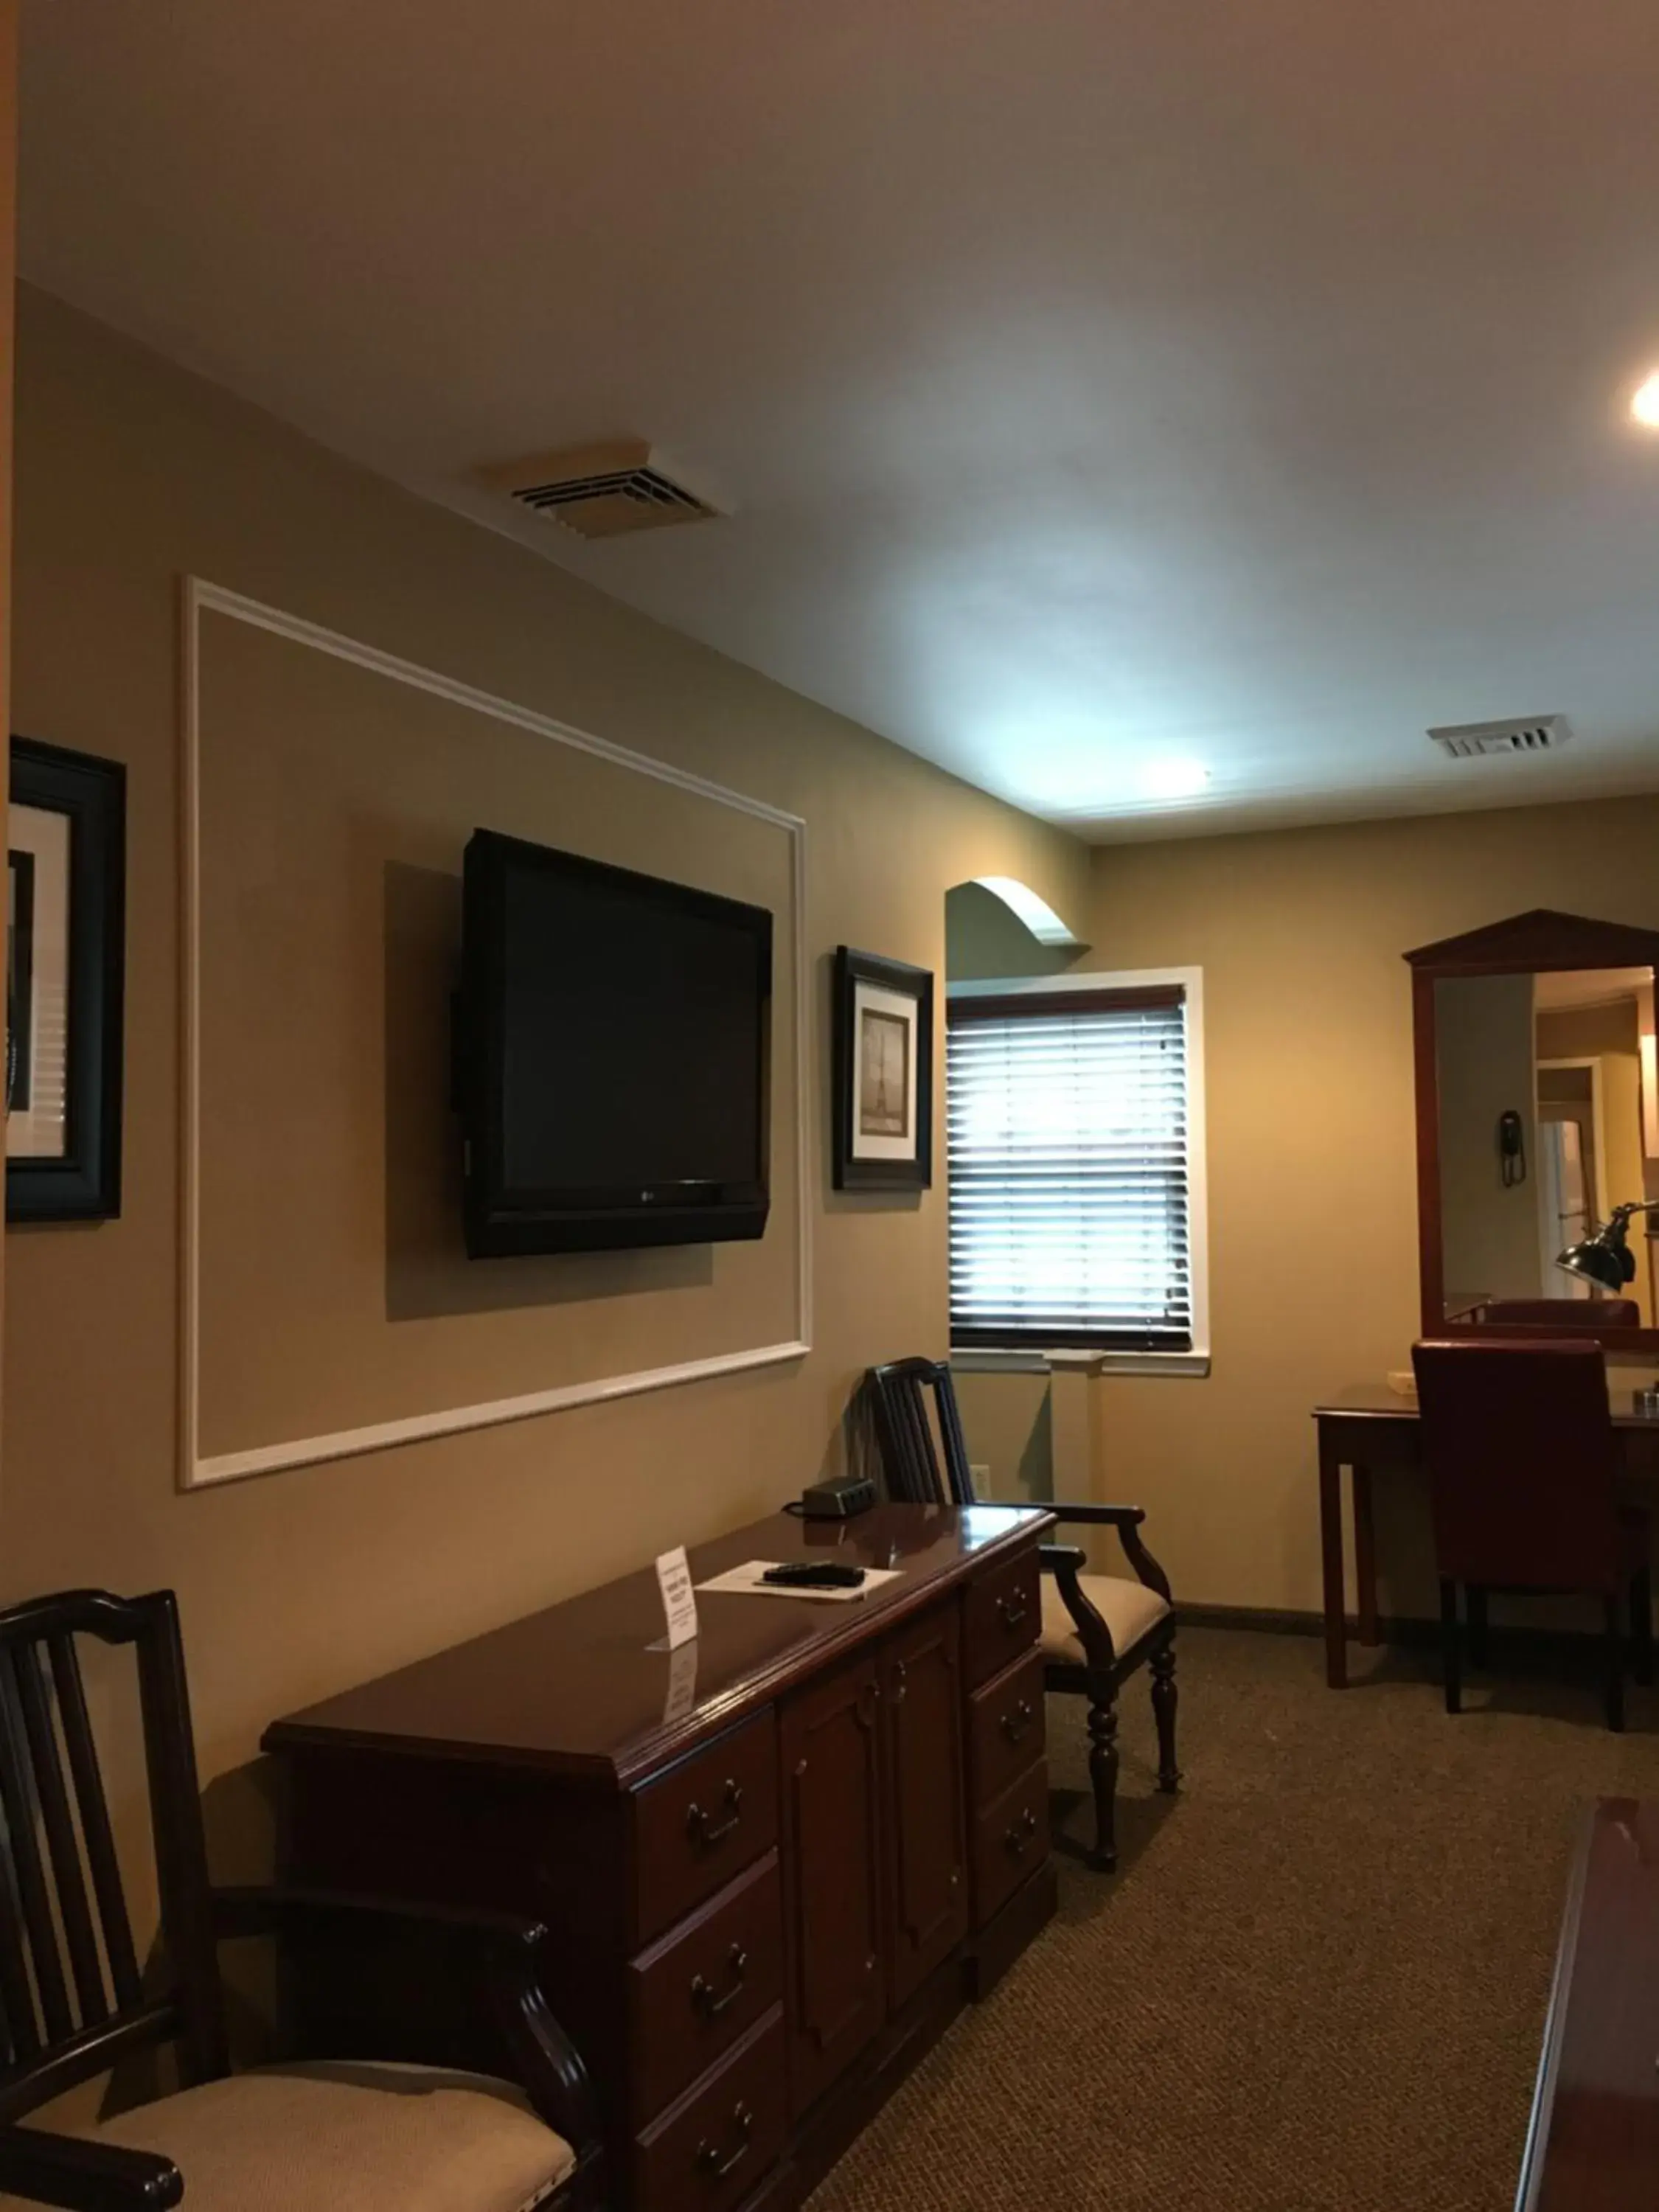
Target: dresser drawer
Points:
(1010, 1841)
(1003, 1614)
(708, 2151)
(1006, 1728)
(699, 1988)
(704, 1822)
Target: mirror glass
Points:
(1548, 1121)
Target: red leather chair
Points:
(1518, 1440)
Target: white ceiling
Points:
(1098, 384)
(1556, 988)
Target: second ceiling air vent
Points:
(1544, 733)
(603, 491)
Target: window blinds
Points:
(1066, 1127)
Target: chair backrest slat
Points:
(94, 1821)
(67, 2008)
(19, 1801)
(63, 1845)
(19, 2032)
(905, 1432)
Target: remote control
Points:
(811, 1574)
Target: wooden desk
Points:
(1593, 2142)
(1373, 1428)
(775, 1864)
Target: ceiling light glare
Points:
(1175, 779)
(1645, 402)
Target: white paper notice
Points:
(679, 1601)
(682, 1692)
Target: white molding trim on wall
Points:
(195, 1472)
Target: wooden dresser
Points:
(1593, 2142)
(775, 1864)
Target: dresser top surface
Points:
(579, 1689)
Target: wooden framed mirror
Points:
(1537, 1115)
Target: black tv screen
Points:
(613, 1055)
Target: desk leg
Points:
(1364, 1556)
(1330, 1544)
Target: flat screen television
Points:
(612, 1056)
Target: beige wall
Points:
(1007, 1420)
(1313, 1203)
(1611, 1035)
(1007, 1423)
(130, 476)
(985, 938)
(1489, 1230)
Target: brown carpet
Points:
(1318, 1982)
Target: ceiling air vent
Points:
(601, 491)
(1544, 733)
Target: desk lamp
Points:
(1605, 1258)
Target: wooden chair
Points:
(1097, 1630)
(1519, 1445)
(413, 2136)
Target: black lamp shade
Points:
(1605, 1259)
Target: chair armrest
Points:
(1126, 1520)
(1112, 1517)
(1064, 1562)
(1054, 1557)
(496, 1953)
(83, 2176)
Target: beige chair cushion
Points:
(1129, 1610)
(348, 2138)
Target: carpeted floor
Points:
(1318, 1982)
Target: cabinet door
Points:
(829, 1737)
(927, 1847)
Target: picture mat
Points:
(885, 1059)
(334, 1307)
(42, 1131)
(875, 998)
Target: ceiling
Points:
(1556, 988)
(1098, 386)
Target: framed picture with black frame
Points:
(65, 964)
(883, 1074)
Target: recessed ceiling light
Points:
(1175, 779)
(1645, 402)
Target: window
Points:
(1074, 1125)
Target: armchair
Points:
(1097, 1630)
(408, 2131)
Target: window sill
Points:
(1079, 1360)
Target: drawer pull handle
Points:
(703, 1998)
(1014, 1724)
(901, 1682)
(1022, 1833)
(708, 2160)
(703, 1830)
(1011, 1611)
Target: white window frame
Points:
(1196, 1362)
